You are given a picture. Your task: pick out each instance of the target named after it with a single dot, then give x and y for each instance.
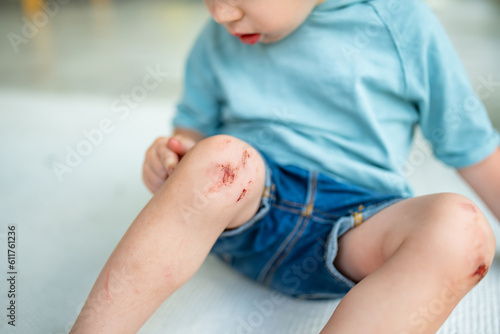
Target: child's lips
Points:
(248, 38)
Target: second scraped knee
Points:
(466, 234)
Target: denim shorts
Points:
(291, 242)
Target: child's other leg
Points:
(416, 260)
(218, 184)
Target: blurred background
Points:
(96, 47)
(76, 118)
(101, 47)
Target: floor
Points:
(56, 91)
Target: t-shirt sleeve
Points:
(199, 106)
(451, 114)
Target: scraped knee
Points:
(464, 232)
(230, 166)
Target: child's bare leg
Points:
(416, 259)
(218, 184)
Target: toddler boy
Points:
(287, 156)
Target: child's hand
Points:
(162, 158)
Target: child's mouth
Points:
(249, 38)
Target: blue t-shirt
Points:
(342, 94)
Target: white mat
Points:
(66, 230)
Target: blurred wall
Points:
(102, 47)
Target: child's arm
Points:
(484, 178)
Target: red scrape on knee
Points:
(227, 175)
(480, 272)
(243, 193)
(106, 287)
(245, 157)
(468, 207)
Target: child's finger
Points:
(180, 145)
(152, 164)
(155, 170)
(155, 165)
(168, 159)
(152, 182)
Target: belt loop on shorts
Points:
(358, 216)
(267, 191)
(311, 193)
(269, 187)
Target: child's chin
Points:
(266, 39)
